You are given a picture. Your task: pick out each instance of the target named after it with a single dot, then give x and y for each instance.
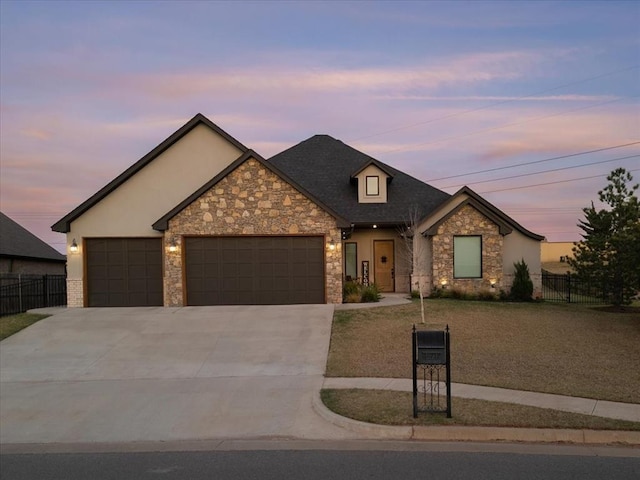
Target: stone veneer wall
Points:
(251, 200)
(468, 221)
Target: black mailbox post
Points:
(431, 355)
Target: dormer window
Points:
(373, 186)
(372, 179)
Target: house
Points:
(203, 220)
(22, 253)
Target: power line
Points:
(548, 183)
(496, 103)
(545, 171)
(499, 127)
(534, 162)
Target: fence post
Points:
(45, 291)
(568, 287)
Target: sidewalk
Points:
(585, 406)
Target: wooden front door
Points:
(383, 265)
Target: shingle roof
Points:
(17, 241)
(324, 166)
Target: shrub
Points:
(371, 294)
(486, 296)
(415, 294)
(522, 287)
(353, 298)
(350, 288)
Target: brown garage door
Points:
(124, 272)
(254, 270)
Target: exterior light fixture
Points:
(173, 247)
(332, 245)
(74, 246)
(375, 226)
(443, 284)
(493, 284)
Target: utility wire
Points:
(499, 127)
(533, 162)
(548, 183)
(545, 171)
(496, 103)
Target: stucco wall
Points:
(131, 209)
(518, 247)
(365, 240)
(251, 200)
(372, 171)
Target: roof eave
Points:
(64, 224)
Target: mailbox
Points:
(432, 348)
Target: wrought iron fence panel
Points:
(32, 292)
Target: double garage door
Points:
(254, 270)
(274, 270)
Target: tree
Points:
(609, 253)
(522, 287)
(413, 254)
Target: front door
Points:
(383, 265)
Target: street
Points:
(334, 460)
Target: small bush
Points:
(370, 294)
(522, 287)
(457, 294)
(353, 298)
(350, 288)
(486, 296)
(415, 294)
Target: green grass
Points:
(14, 323)
(396, 408)
(564, 349)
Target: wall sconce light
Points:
(173, 247)
(74, 246)
(493, 284)
(443, 284)
(332, 245)
(375, 226)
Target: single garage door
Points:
(270, 270)
(124, 272)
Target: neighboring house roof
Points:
(18, 242)
(64, 224)
(163, 223)
(505, 223)
(324, 166)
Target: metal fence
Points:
(21, 293)
(570, 289)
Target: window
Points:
(467, 257)
(373, 186)
(351, 260)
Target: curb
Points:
(476, 434)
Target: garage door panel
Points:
(255, 270)
(124, 272)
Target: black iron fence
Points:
(571, 289)
(20, 293)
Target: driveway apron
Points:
(162, 374)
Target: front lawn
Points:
(396, 408)
(563, 349)
(14, 323)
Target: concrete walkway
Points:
(585, 406)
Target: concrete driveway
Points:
(166, 374)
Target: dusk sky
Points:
(439, 90)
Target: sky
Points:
(530, 104)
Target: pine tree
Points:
(522, 287)
(609, 254)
